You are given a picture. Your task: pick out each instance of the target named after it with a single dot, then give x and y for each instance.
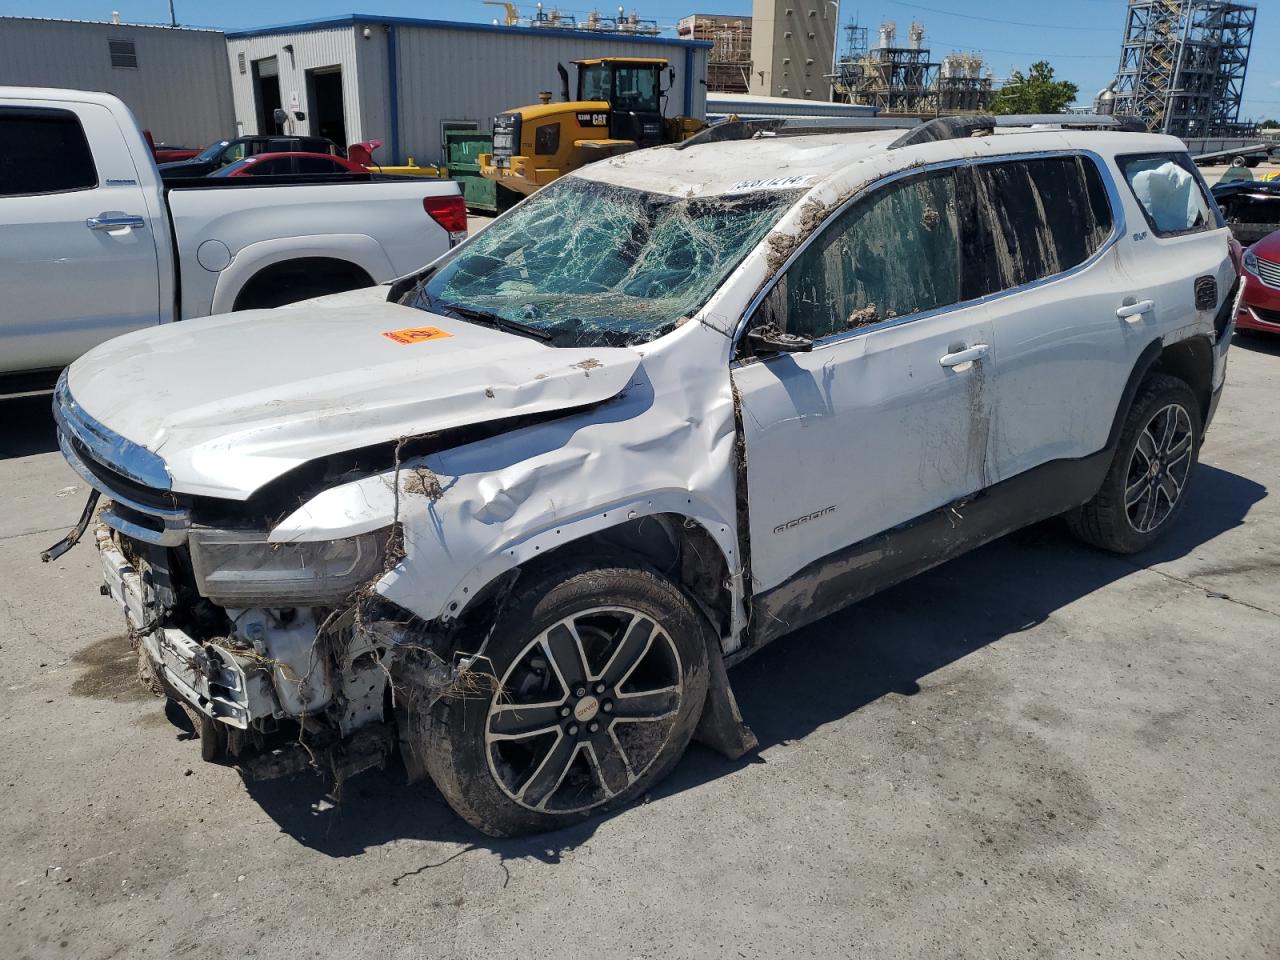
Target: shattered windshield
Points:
(583, 263)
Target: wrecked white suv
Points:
(514, 515)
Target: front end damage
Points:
(279, 689)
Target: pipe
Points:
(393, 86)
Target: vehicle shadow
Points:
(882, 646)
(1268, 343)
(26, 427)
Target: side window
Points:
(43, 151)
(317, 165)
(1169, 193)
(894, 253)
(1039, 217)
(235, 151)
(269, 168)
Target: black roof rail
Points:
(736, 129)
(939, 128)
(945, 128)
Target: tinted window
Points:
(1039, 218)
(318, 165)
(268, 168)
(1169, 193)
(43, 151)
(893, 254)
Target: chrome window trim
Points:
(108, 448)
(1119, 227)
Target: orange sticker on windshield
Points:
(416, 334)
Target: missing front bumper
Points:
(220, 684)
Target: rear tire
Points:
(568, 729)
(1146, 487)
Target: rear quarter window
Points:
(1037, 218)
(1169, 191)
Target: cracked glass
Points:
(583, 263)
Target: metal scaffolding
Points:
(729, 61)
(895, 79)
(1182, 66)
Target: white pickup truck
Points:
(92, 244)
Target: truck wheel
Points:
(1146, 488)
(599, 679)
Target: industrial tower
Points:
(1182, 65)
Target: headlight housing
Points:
(1251, 261)
(239, 568)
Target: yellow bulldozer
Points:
(618, 108)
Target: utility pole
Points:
(173, 17)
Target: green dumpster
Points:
(462, 149)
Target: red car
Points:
(1260, 306)
(276, 164)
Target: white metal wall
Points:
(445, 73)
(448, 74)
(180, 90)
(312, 49)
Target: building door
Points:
(266, 94)
(324, 95)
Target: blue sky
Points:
(1081, 38)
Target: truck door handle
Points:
(1133, 312)
(114, 223)
(976, 352)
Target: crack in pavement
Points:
(1216, 594)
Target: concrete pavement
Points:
(1037, 750)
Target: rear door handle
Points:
(1133, 312)
(114, 223)
(976, 352)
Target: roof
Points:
(729, 166)
(806, 161)
(354, 19)
(110, 23)
(596, 61)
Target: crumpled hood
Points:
(232, 402)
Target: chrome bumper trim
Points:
(175, 521)
(107, 447)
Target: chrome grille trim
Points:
(1269, 272)
(116, 456)
(107, 447)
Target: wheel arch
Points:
(354, 276)
(358, 250)
(1190, 360)
(695, 553)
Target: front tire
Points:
(599, 678)
(1146, 487)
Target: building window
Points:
(124, 54)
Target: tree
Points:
(1037, 93)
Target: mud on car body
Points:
(515, 514)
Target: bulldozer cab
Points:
(632, 86)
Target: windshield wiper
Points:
(499, 322)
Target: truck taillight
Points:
(450, 213)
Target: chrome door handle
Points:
(976, 352)
(114, 223)
(1133, 312)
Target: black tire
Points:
(494, 755)
(1114, 520)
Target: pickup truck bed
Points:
(93, 244)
